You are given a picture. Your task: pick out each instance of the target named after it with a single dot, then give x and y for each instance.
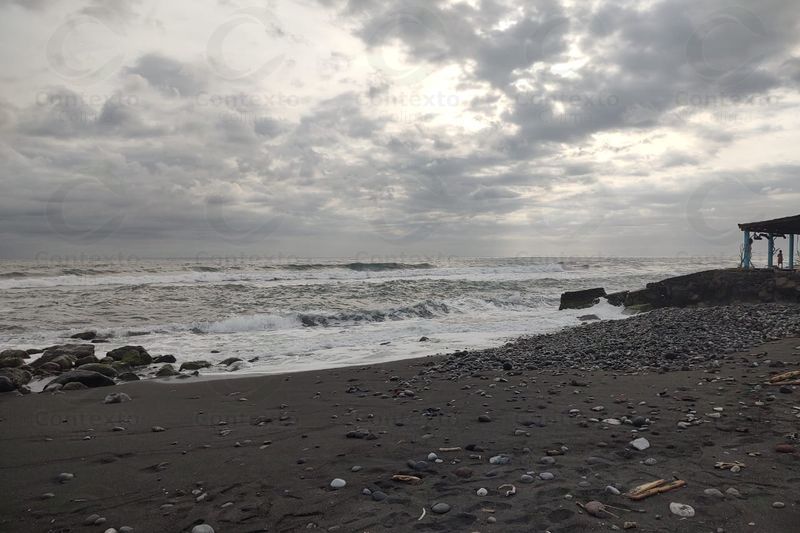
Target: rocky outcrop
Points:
(106, 370)
(718, 287)
(14, 354)
(84, 335)
(581, 299)
(195, 365)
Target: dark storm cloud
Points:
(568, 123)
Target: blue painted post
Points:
(791, 252)
(770, 249)
(746, 251)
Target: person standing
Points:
(780, 259)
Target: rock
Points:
(650, 461)
(202, 528)
(640, 444)
(64, 362)
(117, 397)
(14, 354)
(501, 459)
(77, 351)
(581, 299)
(338, 483)
(482, 492)
(440, 508)
(378, 496)
(681, 509)
(87, 360)
(12, 362)
(157, 429)
(612, 490)
(713, 493)
(230, 360)
(106, 370)
(194, 365)
(6, 385)
(587, 318)
(547, 476)
(484, 418)
(64, 477)
(639, 421)
(84, 336)
(165, 359)
(617, 299)
(131, 355)
(785, 448)
(128, 376)
(547, 460)
(423, 339)
(612, 421)
(17, 376)
(74, 385)
(778, 505)
(88, 378)
(463, 472)
(526, 478)
(166, 371)
(733, 492)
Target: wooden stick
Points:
(656, 487)
(786, 375)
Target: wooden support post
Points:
(770, 250)
(791, 252)
(746, 251)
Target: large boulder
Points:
(65, 362)
(87, 377)
(195, 365)
(168, 358)
(166, 371)
(17, 376)
(84, 335)
(6, 385)
(131, 355)
(78, 351)
(14, 354)
(10, 362)
(581, 299)
(106, 370)
(617, 299)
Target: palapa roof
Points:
(785, 225)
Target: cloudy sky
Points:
(343, 127)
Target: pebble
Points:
(547, 460)
(525, 478)
(378, 496)
(47, 495)
(356, 468)
(484, 418)
(546, 476)
(482, 492)
(500, 460)
(612, 421)
(440, 508)
(681, 509)
(612, 490)
(157, 429)
(650, 461)
(778, 505)
(202, 528)
(733, 492)
(65, 476)
(640, 444)
(714, 493)
(338, 483)
(117, 397)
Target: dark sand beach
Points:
(260, 453)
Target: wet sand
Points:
(259, 453)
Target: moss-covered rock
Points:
(195, 365)
(132, 355)
(17, 376)
(166, 371)
(106, 370)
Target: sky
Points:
(375, 128)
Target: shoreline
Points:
(258, 453)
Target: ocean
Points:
(300, 314)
